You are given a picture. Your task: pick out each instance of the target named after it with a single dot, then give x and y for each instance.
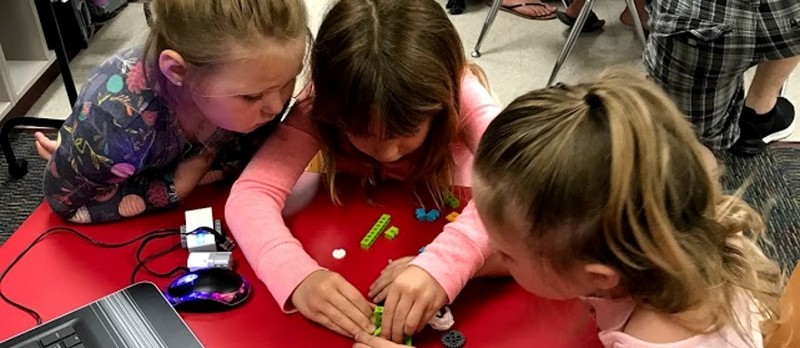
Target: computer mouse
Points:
(207, 290)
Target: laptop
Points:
(137, 316)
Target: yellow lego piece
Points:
(452, 216)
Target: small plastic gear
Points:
(453, 339)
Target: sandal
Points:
(511, 9)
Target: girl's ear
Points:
(172, 66)
(602, 277)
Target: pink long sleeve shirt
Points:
(258, 197)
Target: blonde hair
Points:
(205, 32)
(611, 172)
(393, 63)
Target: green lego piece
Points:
(377, 319)
(391, 233)
(452, 201)
(375, 231)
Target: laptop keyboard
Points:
(64, 338)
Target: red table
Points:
(63, 272)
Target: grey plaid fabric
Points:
(699, 49)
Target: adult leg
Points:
(767, 83)
(701, 64)
(766, 116)
(644, 16)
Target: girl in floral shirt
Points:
(188, 108)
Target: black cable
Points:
(141, 248)
(72, 231)
(142, 264)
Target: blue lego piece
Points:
(432, 215)
(420, 214)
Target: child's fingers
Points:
(429, 313)
(355, 298)
(369, 341)
(399, 318)
(414, 318)
(337, 318)
(389, 308)
(347, 316)
(325, 321)
(381, 295)
(380, 284)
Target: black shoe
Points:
(456, 7)
(592, 22)
(759, 130)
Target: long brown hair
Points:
(611, 172)
(392, 63)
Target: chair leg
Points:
(573, 36)
(637, 22)
(18, 168)
(63, 60)
(487, 24)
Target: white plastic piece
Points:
(202, 241)
(339, 254)
(442, 322)
(199, 218)
(217, 259)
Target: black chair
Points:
(17, 168)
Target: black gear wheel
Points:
(453, 339)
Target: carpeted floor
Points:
(18, 197)
(775, 187)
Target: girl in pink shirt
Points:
(393, 98)
(600, 191)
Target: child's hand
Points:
(378, 289)
(190, 171)
(412, 299)
(45, 146)
(364, 340)
(327, 298)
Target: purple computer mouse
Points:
(207, 290)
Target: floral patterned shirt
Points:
(118, 150)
